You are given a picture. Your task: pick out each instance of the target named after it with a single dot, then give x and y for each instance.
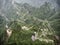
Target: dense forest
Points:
(23, 24)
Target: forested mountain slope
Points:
(45, 20)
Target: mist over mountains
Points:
(58, 2)
(37, 3)
(24, 10)
(25, 20)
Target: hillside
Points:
(25, 20)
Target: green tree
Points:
(14, 25)
(2, 29)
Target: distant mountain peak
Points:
(37, 3)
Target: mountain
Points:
(25, 13)
(37, 3)
(44, 17)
